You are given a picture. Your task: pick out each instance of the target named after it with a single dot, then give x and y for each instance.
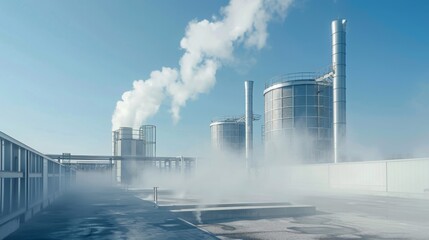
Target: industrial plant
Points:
(276, 188)
(304, 116)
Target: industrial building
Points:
(305, 113)
(133, 142)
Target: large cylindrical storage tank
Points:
(128, 142)
(122, 145)
(298, 118)
(125, 133)
(228, 135)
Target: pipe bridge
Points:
(68, 157)
(94, 162)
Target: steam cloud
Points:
(207, 45)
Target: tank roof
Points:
(234, 119)
(292, 77)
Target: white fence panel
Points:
(408, 176)
(364, 176)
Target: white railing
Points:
(29, 181)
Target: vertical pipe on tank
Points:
(339, 87)
(248, 119)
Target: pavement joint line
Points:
(201, 229)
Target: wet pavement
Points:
(106, 213)
(110, 213)
(340, 217)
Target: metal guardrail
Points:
(235, 119)
(322, 77)
(299, 76)
(59, 157)
(29, 181)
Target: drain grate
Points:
(173, 225)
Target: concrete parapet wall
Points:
(390, 176)
(408, 176)
(358, 176)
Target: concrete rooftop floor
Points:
(112, 213)
(105, 213)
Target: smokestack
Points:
(248, 118)
(339, 87)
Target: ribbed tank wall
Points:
(228, 136)
(125, 133)
(128, 142)
(298, 117)
(148, 135)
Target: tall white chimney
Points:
(339, 87)
(248, 118)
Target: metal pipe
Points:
(155, 195)
(339, 87)
(248, 119)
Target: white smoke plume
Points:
(208, 45)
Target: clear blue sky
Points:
(65, 64)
